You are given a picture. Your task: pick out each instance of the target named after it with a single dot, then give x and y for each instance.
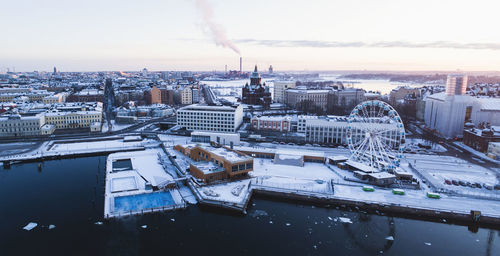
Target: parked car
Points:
(488, 186)
(275, 142)
(291, 144)
(454, 182)
(468, 184)
(282, 143)
(461, 183)
(497, 187)
(316, 145)
(447, 182)
(478, 185)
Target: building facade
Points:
(73, 120)
(398, 95)
(295, 96)
(187, 96)
(456, 84)
(17, 125)
(279, 90)
(479, 139)
(160, 96)
(272, 123)
(199, 117)
(445, 114)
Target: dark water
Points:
(69, 194)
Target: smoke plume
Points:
(216, 31)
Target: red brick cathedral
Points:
(256, 93)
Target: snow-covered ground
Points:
(231, 192)
(60, 148)
(310, 171)
(412, 144)
(172, 140)
(116, 127)
(104, 145)
(475, 152)
(418, 199)
(437, 169)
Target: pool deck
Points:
(145, 173)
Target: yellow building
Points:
(72, 120)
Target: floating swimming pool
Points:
(143, 201)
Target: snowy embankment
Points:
(59, 148)
(475, 152)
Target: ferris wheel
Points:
(376, 135)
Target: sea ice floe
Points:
(52, 226)
(258, 213)
(172, 220)
(344, 220)
(288, 224)
(98, 223)
(144, 226)
(30, 226)
(330, 218)
(390, 238)
(427, 243)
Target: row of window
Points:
(241, 167)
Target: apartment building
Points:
(187, 95)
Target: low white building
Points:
(198, 117)
(333, 129)
(221, 138)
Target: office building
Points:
(200, 117)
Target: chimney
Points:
(240, 63)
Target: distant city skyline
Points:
(299, 35)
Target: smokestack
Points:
(241, 59)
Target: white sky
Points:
(169, 34)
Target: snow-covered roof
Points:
(362, 167)
(198, 107)
(207, 167)
(490, 104)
